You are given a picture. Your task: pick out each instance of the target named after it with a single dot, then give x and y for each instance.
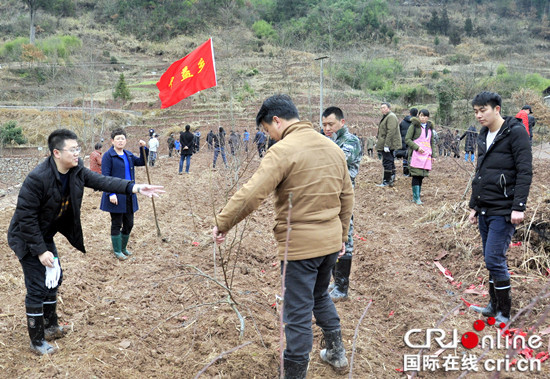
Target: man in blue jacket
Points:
(499, 194)
(49, 202)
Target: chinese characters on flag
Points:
(194, 72)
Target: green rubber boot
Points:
(124, 242)
(117, 247)
(416, 195)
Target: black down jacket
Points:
(39, 202)
(504, 172)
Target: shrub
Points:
(12, 50)
(61, 47)
(10, 133)
(457, 59)
(263, 30)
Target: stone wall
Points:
(14, 170)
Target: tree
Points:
(121, 90)
(10, 133)
(468, 27)
(454, 36)
(33, 7)
(444, 22)
(433, 24)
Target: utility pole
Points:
(321, 92)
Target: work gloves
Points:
(386, 149)
(53, 274)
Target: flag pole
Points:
(142, 151)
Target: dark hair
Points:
(414, 112)
(386, 104)
(221, 130)
(337, 112)
(187, 128)
(425, 112)
(118, 132)
(487, 98)
(276, 105)
(98, 146)
(527, 108)
(56, 140)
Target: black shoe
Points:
(35, 325)
(334, 353)
(342, 269)
(504, 301)
(52, 330)
(295, 369)
(491, 308)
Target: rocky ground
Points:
(168, 311)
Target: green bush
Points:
(264, 30)
(457, 59)
(11, 50)
(375, 75)
(61, 47)
(10, 133)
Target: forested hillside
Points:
(436, 54)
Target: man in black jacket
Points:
(49, 202)
(403, 128)
(499, 194)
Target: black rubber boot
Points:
(295, 370)
(35, 325)
(386, 180)
(491, 308)
(334, 353)
(341, 272)
(504, 301)
(52, 330)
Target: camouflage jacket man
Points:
(351, 146)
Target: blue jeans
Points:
(496, 234)
(218, 150)
(306, 284)
(187, 164)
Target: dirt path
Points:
(162, 314)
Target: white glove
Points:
(386, 149)
(52, 274)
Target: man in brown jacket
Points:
(389, 140)
(313, 170)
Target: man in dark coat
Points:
(388, 140)
(500, 188)
(259, 140)
(187, 142)
(49, 201)
(210, 140)
(470, 145)
(403, 128)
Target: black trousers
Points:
(306, 292)
(123, 222)
(35, 278)
(388, 161)
(417, 180)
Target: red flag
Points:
(194, 72)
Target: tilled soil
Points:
(169, 311)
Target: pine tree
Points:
(444, 23)
(469, 27)
(121, 90)
(433, 24)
